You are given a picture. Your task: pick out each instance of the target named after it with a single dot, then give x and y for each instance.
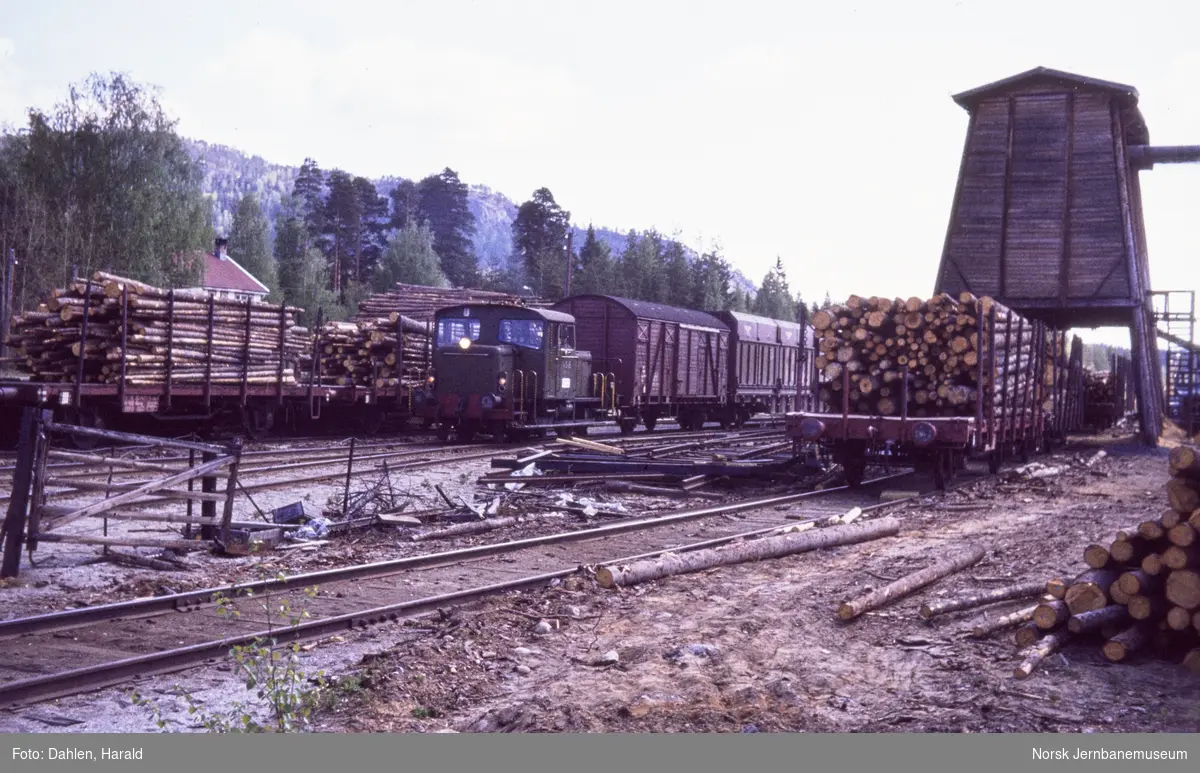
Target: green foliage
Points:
(250, 243)
(774, 299)
(540, 240)
(677, 275)
(409, 258)
(711, 278)
(595, 266)
(442, 205)
(102, 181)
(303, 271)
(282, 690)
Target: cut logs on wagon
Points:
(419, 302)
(381, 352)
(949, 348)
(113, 327)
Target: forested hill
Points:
(229, 174)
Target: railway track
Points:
(86, 649)
(259, 469)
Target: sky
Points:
(824, 135)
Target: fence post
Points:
(208, 510)
(14, 520)
(235, 450)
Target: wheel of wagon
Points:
(581, 431)
(726, 421)
(995, 459)
(465, 433)
(443, 432)
(627, 426)
(650, 422)
(685, 422)
(370, 420)
(499, 431)
(943, 469)
(740, 418)
(855, 470)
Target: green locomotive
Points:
(501, 369)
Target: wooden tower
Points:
(1047, 215)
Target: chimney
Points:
(219, 251)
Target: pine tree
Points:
(372, 228)
(678, 275)
(343, 226)
(774, 299)
(442, 204)
(405, 205)
(539, 242)
(595, 266)
(308, 197)
(711, 282)
(409, 258)
(303, 272)
(249, 242)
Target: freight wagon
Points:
(1019, 393)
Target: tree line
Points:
(103, 181)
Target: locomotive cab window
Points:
(566, 337)
(452, 331)
(526, 333)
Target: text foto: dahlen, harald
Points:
(76, 754)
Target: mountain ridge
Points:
(228, 174)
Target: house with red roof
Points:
(224, 277)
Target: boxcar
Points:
(661, 360)
(765, 364)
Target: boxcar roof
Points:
(969, 98)
(660, 311)
(518, 312)
(763, 328)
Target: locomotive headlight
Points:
(811, 429)
(64, 398)
(501, 381)
(924, 433)
(464, 343)
(430, 381)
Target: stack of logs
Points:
(381, 352)
(936, 341)
(221, 341)
(1101, 405)
(1141, 592)
(419, 302)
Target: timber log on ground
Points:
(1141, 594)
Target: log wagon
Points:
(932, 382)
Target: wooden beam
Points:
(152, 486)
(127, 437)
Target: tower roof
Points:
(1127, 95)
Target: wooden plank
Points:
(152, 486)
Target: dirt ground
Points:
(749, 648)
(757, 647)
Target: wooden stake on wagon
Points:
(913, 582)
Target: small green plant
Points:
(282, 690)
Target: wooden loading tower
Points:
(1047, 215)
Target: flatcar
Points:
(1022, 406)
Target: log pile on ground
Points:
(1101, 405)
(420, 302)
(1141, 591)
(938, 343)
(375, 352)
(197, 339)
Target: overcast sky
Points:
(825, 136)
